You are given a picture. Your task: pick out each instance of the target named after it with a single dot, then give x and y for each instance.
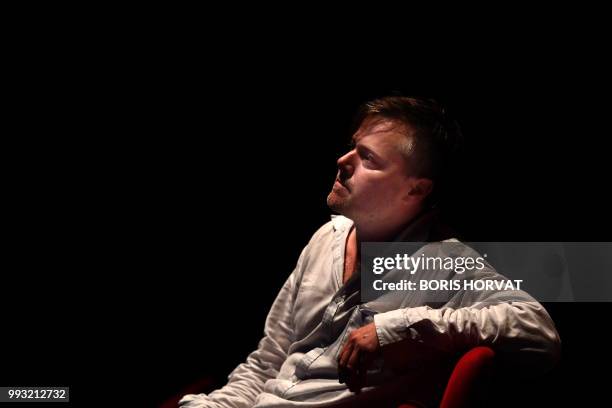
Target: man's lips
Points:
(339, 184)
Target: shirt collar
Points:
(420, 229)
(341, 223)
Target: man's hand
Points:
(357, 356)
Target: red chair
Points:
(462, 388)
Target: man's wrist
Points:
(390, 327)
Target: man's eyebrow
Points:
(361, 146)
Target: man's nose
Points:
(345, 165)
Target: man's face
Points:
(373, 179)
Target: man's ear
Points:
(419, 188)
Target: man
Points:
(323, 345)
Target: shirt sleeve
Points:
(522, 329)
(247, 380)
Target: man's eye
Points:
(368, 156)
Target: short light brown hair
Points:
(435, 137)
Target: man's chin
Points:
(335, 203)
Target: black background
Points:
(160, 195)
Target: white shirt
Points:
(295, 363)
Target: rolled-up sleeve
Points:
(522, 328)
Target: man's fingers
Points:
(358, 373)
(353, 360)
(351, 368)
(345, 354)
(342, 361)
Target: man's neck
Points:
(379, 230)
